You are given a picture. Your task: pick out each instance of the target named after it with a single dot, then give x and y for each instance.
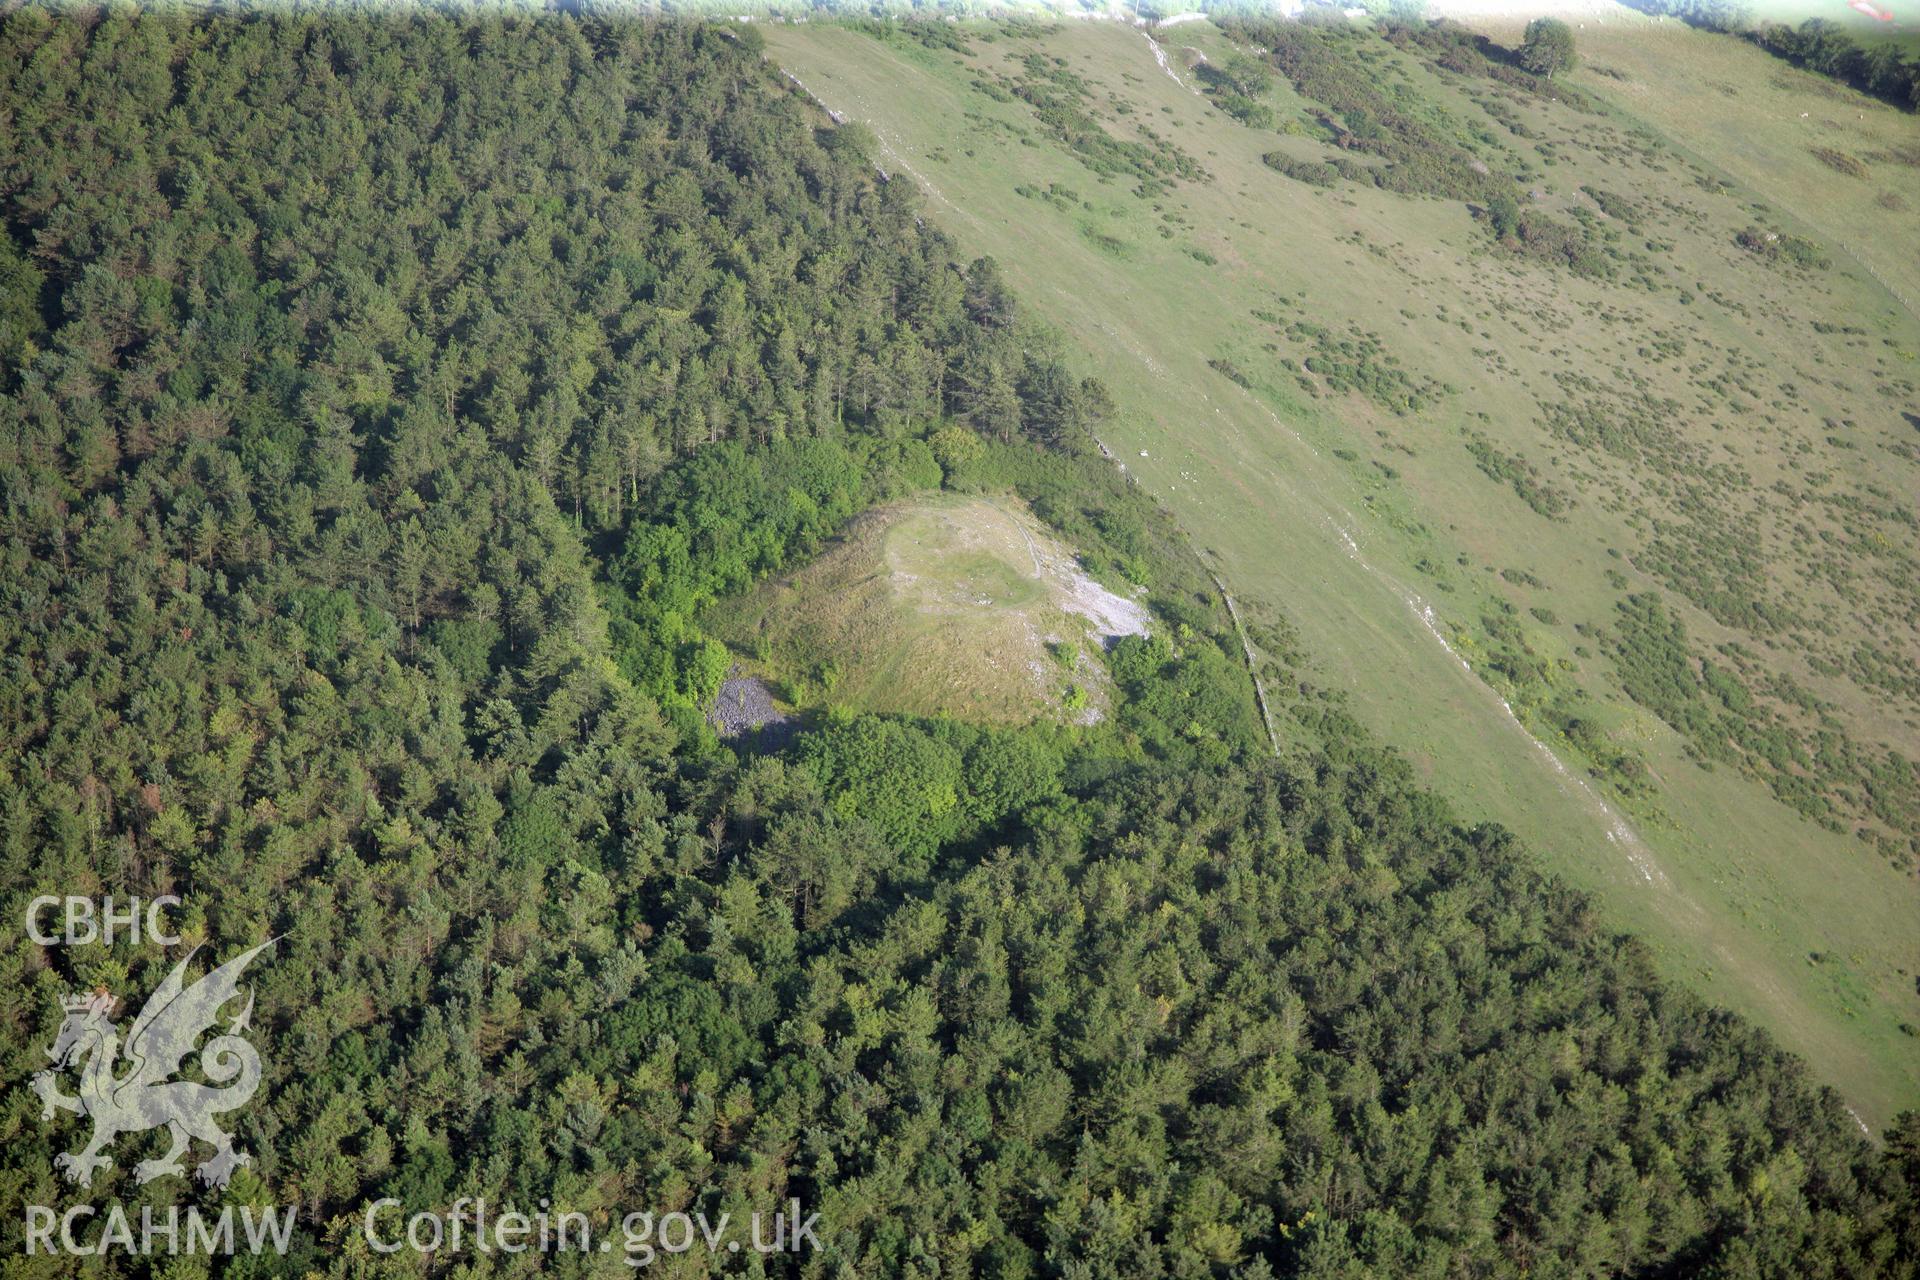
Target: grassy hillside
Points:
(1843, 163)
(945, 605)
(1455, 466)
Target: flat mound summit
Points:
(960, 606)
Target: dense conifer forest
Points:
(385, 402)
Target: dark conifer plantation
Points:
(384, 399)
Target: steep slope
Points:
(1456, 468)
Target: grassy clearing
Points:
(962, 607)
(1378, 529)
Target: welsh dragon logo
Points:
(135, 1093)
